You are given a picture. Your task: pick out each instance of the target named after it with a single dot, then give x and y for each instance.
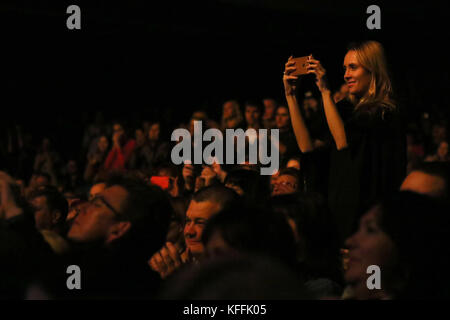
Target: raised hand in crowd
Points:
(168, 259)
(8, 206)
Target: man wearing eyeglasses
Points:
(115, 234)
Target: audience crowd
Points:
(139, 226)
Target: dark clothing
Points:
(111, 273)
(371, 167)
(147, 157)
(24, 255)
(287, 138)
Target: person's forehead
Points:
(282, 111)
(203, 209)
(350, 57)
(287, 177)
(116, 196)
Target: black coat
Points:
(370, 168)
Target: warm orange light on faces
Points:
(356, 76)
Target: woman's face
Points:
(368, 246)
(103, 144)
(228, 110)
(356, 76)
(153, 133)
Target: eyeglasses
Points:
(97, 199)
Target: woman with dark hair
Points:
(406, 236)
(368, 160)
(316, 241)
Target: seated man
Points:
(50, 212)
(50, 209)
(116, 234)
(204, 204)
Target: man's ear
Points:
(56, 216)
(118, 230)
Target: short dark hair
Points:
(148, 209)
(253, 230)
(216, 193)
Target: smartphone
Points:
(301, 66)
(162, 182)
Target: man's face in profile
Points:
(99, 219)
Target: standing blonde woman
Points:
(368, 151)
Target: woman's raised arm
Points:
(298, 124)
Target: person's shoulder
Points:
(377, 113)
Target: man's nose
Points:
(189, 230)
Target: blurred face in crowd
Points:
(42, 181)
(198, 213)
(284, 184)
(72, 167)
(100, 218)
(252, 115)
(139, 136)
(310, 103)
(103, 144)
(439, 133)
(228, 110)
(442, 151)
(282, 118)
(96, 189)
(370, 245)
(424, 183)
(44, 218)
(46, 144)
(356, 76)
(269, 108)
(153, 133)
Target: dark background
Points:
(144, 59)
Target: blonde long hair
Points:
(370, 54)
